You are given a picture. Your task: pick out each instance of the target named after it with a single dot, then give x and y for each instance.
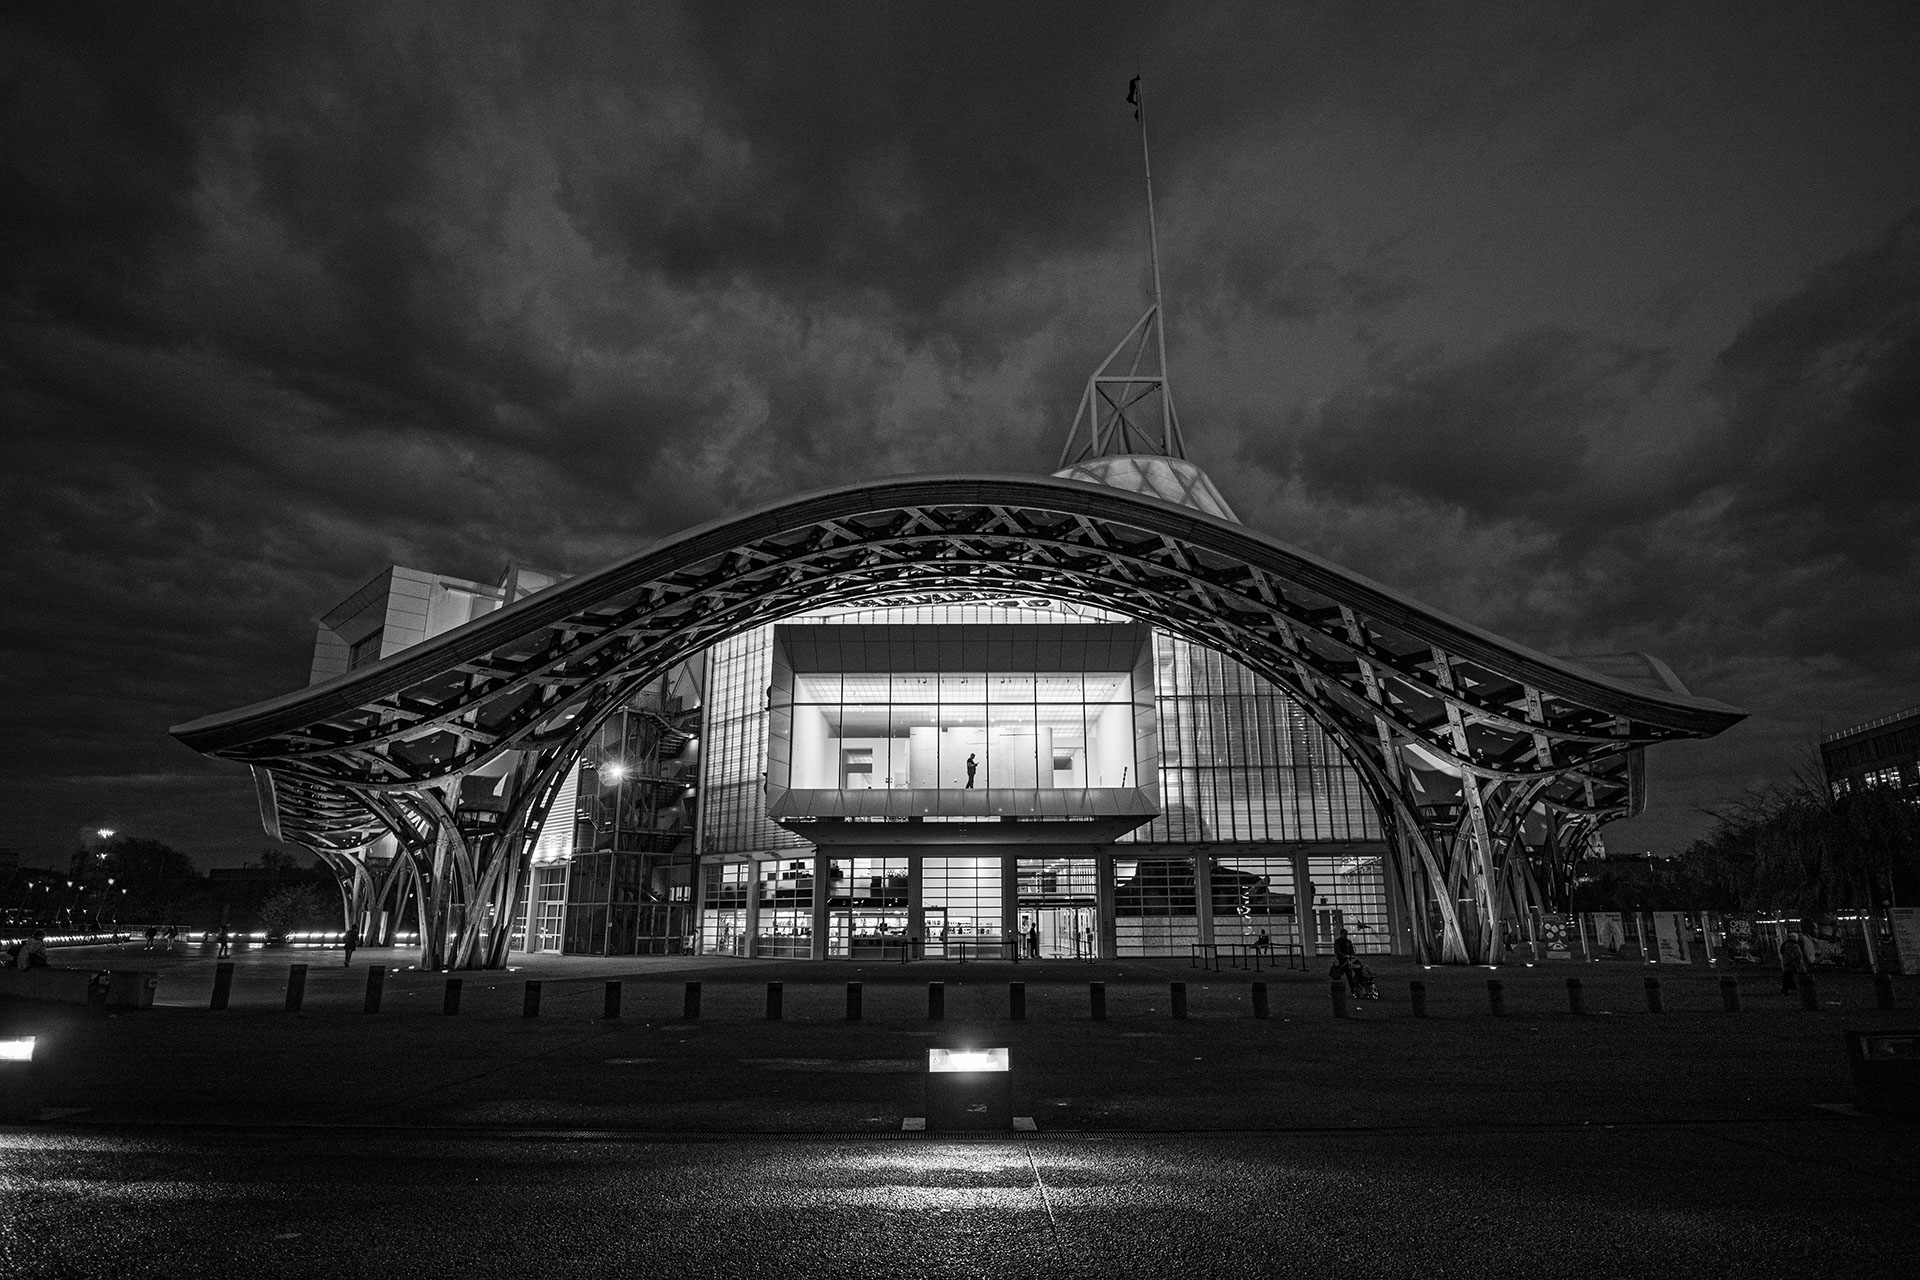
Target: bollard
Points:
(1417, 990)
(1654, 1003)
(450, 1002)
(296, 987)
(690, 1003)
(1730, 994)
(1496, 997)
(936, 1001)
(1097, 1000)
(855, 993)
(376, 985)
(530, 1003)
(1576, 997)
(1179, 994)
(1260, 1000)
(1342, 998)
(1883, 991)
(1809, 993)
(610, 1003)
(776, 1000)
(1017, 1001)
(222, 984)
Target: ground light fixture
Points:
(19, 1093)
(969, 1088)
(941, 1061)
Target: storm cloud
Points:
(1594, 324)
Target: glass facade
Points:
(1240, 761)
(723, 916)
(963, 908)
(867, 907)
(1351, 894)
(733, 800)
(954, 731)
(1155, 906)
(1253, 896)
(785, 916)
(626, 904)
(1242, 769)
(1059, 908)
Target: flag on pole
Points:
(1133, 95)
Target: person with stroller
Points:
(1347, 964)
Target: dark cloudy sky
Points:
(1593, 323)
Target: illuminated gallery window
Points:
(959, 731)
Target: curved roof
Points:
(1364, 657)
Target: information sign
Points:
(1906, 936)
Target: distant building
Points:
(1880, 753)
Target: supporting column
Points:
(1203, 895)
(1399, 932)
(752, 945)
(822, 895)
(1303, 913)
(916, 908)
(699, 905)
(1107, 943)
(1010, 907)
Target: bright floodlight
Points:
(20, 1050)
(940, 1061)
(613, 772)
(105, 833)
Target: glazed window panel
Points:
(1240, 760)
(1351, 893)
(961, 899)
(1253, 896)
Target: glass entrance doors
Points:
(1057, 933)
(1058, 919)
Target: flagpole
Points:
(1167, 425)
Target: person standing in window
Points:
(972, 764)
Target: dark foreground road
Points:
(1805, 1197)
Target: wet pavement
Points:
(257, 1142)
(1804, 1197)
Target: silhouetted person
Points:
(153, 932)
(223, 944)
(1033, 941)
(972, 764)
(34, 954)
(1343, 961)
(1793, 963)
(348, 943)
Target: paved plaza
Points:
(331, 1141)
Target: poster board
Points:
(1905, 923)
(1670, 938)
(1556, 933)
(1609, 935)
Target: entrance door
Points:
(1066, 933)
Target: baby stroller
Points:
(1360, 980)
